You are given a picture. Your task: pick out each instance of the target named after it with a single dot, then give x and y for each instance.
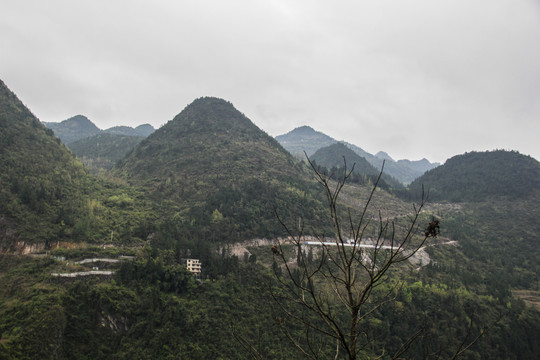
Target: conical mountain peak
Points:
(212, 114)
(210, 158)
(209, 136)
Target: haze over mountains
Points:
(309, 140)
(80, 127)
(333, 157)
(102, 151)
(209, 180)
(98, 149)
(300, 140)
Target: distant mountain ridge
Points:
(103, 150)
(141, 130)
(80, 127)
(477, 176)
(333, 156)
(304, 139)
(309, 140)
(73, 129)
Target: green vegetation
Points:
(477, 176)
(42, 185)
(306, 140)
(152, 308)
(102, 151)
(210, 157)
(332, 157)
(46, 195)
(211, 178)
(142, 130)
(73, 129)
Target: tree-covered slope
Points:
(152, 308)
(41, 182)
(404, 170)
(144, 130)
(141, 130)
(333, 155)
(73, 129)
(305, 139)
(215, 169)
(477, 176)
(80, 127)
(103, 150)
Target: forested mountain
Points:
(332, 157)
(208, 181)
(384, 156)
(304, 139)
(103, 150)
(217, 170)
(141, 130)
(417, 167)
(144, 130)
(42, 185)
(403, 170)
(80, 127)
(98, 149)
(307, 139)
(477, 176)
(73, 129)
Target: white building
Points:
(194, 266)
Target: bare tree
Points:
(314, 294)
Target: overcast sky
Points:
(417, 78)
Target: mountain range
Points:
(296, 142)
(98, 149)
(338, 155)
(306, 139)
(80, 127)
(103, 150)
(210, 181)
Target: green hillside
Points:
(477, 176)
(42, 185)
(331, 157)
(80, 127)
(141, 130)
(144, 130)
(46, 195)
(212, 168)
(73, 129)
(103, 150)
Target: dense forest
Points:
(103, 151)
(337, 156)
(477, 176)
(93, 267)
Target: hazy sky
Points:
(417, 78)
